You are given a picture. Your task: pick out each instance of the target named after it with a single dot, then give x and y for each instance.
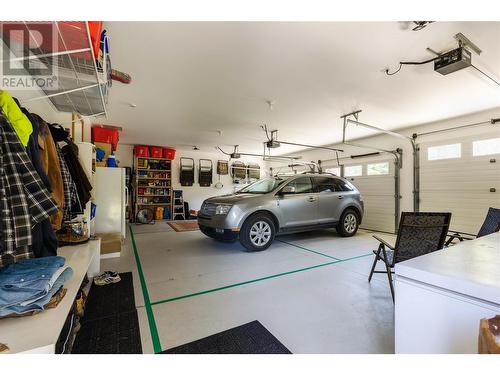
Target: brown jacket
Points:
(50, 163)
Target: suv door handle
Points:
(340, 196)
(311, 199)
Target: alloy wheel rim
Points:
(260, 233)
(350, 223)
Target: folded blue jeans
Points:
(28, 280)
(39, 303)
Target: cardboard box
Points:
(106, 147)
(111, 243)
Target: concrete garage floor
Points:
(310, 290)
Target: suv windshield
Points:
(263, 186)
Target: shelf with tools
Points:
(153, 185)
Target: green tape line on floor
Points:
(256, 280)
(149, 310)
(305, 248)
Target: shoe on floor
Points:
(107, 277)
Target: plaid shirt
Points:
(70, 194)
(24, 199)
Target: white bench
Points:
(39, 333)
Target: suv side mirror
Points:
(287, 190)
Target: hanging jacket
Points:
(70, 194)
(52, 167)
(24, 199)
(70, 152)
(44, 242)
(16, 117)
(82, 183)
(34, 152)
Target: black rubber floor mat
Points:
(110, 324)
(249, 338)
(115, 334)
(110, 299)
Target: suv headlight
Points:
(223, 209)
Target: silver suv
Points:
(277, 205)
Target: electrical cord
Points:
(409, 63)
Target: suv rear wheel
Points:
(348, 224)
(257, 232)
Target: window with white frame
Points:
(353, 170)
(375, 169)
(486, 147)
(333, 170)
(453, 151)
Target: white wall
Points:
(125, 155)
(389, 142)
(195, 195)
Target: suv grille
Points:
(208, 209)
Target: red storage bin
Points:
(169, 153)
(141, 151)
(105, 135)
(156, 152)
(95, 29)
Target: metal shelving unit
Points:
(82, 82)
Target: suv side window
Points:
(324, 184)
(330, 185)
(341, 185)
(301, 185)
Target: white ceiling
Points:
(191, 79)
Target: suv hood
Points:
(232, 198)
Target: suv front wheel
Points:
(348, 224)
(257, 232)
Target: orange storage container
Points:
(156, 152)
(141, 151)
(95, 28)
(169, 153)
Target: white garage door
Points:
(375, 180)
(457, 175)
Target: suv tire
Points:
(348, 224)
(257, 232)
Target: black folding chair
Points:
(490, 225)
(186, 174)
(419, 233)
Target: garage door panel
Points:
(460, 186)
(469, 187)
(378, 194)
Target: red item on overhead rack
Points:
(95, 29)
(69, 35)
(169, 153)
(122, 77)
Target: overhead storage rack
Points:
(68, 51)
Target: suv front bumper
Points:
(217, 227)
(219, 234)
